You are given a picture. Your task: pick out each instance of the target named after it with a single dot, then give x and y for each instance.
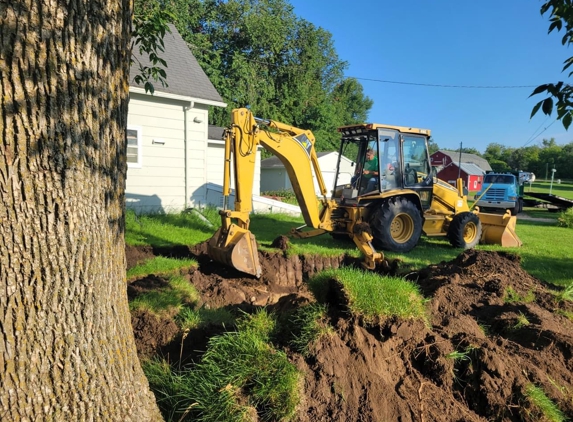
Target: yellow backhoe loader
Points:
(392, 198)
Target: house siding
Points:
(276, 177)
(160, 183)
(274, 180)
(215, 166)
(197, 160)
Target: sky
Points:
(420, 43)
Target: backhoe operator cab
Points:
(400, 156)
(393, 199)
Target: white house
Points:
(173, 155)
(275, 178)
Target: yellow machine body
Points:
(499, 229)
(237, 248)
(422, 202)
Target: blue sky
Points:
(449, 42)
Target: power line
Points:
(540, 133)
(447, 86)
(193, 46)
(533, 135)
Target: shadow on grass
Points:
(267, 227)
(551, 270)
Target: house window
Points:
(134, 141)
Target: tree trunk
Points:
(67, 351)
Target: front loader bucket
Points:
(235, 248)
(499, 229)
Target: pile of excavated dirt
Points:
(474, 361)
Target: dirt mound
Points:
(495, 331)
(281, 243)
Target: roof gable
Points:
(185, 76)
(471, 169)
(466, 158)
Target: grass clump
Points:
(522, 321)
(566, 314)
(307, 326)
(167, 300)
(511, 296)
(160, 265)
(457, 355)
(543, 404)
(565, 294)
(372, 296)
(240, 373)
(566, 218)
(189, 318)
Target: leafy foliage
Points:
(258, 53)
(560, 93)
(566, 218)
(150, 24)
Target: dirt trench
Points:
(473, 363)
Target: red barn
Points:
(472, 169)
(471, 174)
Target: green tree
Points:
(560, 93)
(565, 162)
(258, 53)
(432, 146)
(549, 157)
(494, 151)
(471, 151)
(67, 350)
(498, 165)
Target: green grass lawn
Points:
(546, 250)
(542, 255)
(563, 189)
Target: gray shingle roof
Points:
(467, 158)
(184, 74)
(472, 169)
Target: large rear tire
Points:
(465, 230)
(396, 225)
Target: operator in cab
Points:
(369, 173)
(371, 170)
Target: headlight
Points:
(513, 198)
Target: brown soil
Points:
(400, 370)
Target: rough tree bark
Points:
(66, 345)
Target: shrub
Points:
(566, 218)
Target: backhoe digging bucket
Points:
(499, 229)
(236, 248)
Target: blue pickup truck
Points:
(502, 191)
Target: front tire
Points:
(465, 230)
(396, 225)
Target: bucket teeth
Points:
(235, 248)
